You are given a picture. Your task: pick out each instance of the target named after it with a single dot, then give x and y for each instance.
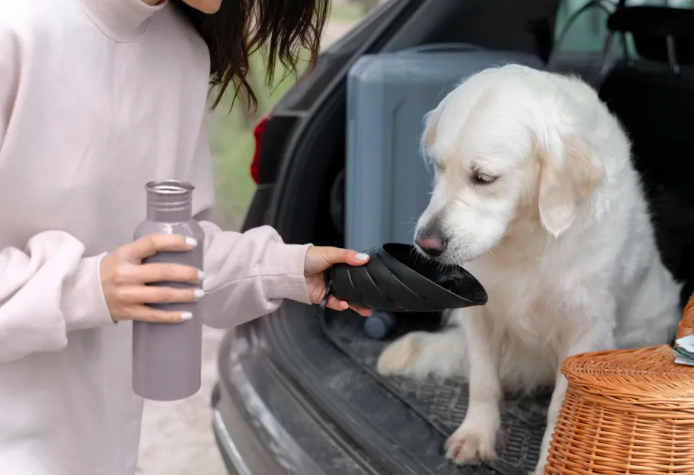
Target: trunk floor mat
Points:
(443, 403)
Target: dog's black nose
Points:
(432, 245)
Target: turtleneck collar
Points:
(121, 19)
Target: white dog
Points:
(536, 193)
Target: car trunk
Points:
(398, 425)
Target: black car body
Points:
(299, 394)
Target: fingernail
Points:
(362, 257)
(192, 242)
(199, 293)
(201, 275)
(186, 316)
(344, 305)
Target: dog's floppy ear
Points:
(431, 124)
(569, 173)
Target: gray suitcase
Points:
(387, 181)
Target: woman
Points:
(98, 97)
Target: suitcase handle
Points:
(444, 48)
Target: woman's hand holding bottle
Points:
(124, 279)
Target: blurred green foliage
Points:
(230, 131)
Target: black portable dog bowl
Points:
(397, 279)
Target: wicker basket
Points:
(627, 412)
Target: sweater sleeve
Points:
(48, 287)
(9, 78)
(248, 275)
(46, 290)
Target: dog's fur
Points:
(561, 240)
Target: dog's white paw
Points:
(399, 355)
(470, 446)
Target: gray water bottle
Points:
(167, 357)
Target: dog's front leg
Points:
(474, 441)
(552, 415)
(597, 338)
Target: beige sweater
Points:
(98, 97)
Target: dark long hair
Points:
(285, 29)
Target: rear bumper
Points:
(233, 460)
(265, 426)
(231, 428)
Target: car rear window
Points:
(587, 32)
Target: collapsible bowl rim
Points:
(451, 266)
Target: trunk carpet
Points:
(443, 403)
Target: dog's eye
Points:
(479, 178)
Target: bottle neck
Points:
(169, 201)
(170, 215)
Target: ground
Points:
(177, 437)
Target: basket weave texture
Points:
(626, 412)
